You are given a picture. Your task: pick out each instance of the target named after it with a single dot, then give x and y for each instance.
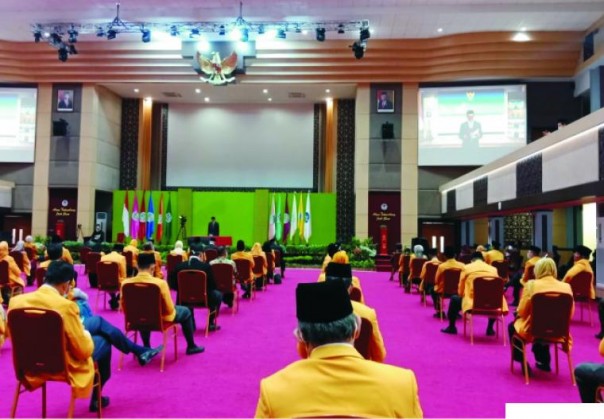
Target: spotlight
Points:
(146, 37)
(174, 30)
(365, 34)
(281, 33)
(341, 29)
(72, 49)
(37, 36)
(111, 34)
(73, 35)
(261, 30)
(320, 34)
(63, 54)
(358, 49)
(221, 30)
(100, 32)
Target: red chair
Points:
(416, 267)
(41, 353)
(355, 294)
(171, 262)
(193, 292)
(31, 254)
(450, 286)
(258, 270)
(142, 306)
(91, 260)
(429, 278)
(40, 274)
(243, 276)
(108, 275)
(361, 344)
(488, 301)
(84, 252)
(270, 263)
(405, 272)
(130, 269)
(225, 282)
(278, 257)
(210, 254)
(18, 256)
(581, 285)
(5, 281)
(550, 323)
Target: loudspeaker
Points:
(420, 240)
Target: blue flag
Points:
(150, 218)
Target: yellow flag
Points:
(301, 219)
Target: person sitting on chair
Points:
(88, 339)
(581, 258)
(171, 313)
(335, 379)
(332, 248)
(150, 249)
(495, 254)
(418, 253)
(341, 258)
(223, 258)
(439, 279)
(242, 254)
(14, 273)
(179, 251)
(589, 377)
(117, 257)
(66, 255)
(465, 300)
(520, 278)
(545, 281)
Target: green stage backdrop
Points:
(242, 215)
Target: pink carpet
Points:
(455, 378)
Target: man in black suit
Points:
(384, 102)
(65, 102)
(470, 131)
(214, 296)
(213, 227)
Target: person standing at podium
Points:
(213, 227)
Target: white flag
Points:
(126, 217)
(307, 220)
(271, 221)
(294, 219)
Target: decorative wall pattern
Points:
(129, 143)
(601, 151)
(164, 143)
(480, 191)
(529, 176)
(345, 170)
(518, 228)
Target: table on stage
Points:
(218, 240)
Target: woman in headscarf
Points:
(257, 251)
(179, 251)
(341, 257)
(19, 247)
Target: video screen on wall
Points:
(17, 124)
(470, 126)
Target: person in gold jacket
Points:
(589, 376)
(581, 256)
(117, 257)
(20, 247)
(519, 280)
(335, 380)
(242, 254)
(171, 313)
(16, 283)
(332, 248)
(257, 251)
(133, 248)
(439, 280)
(341, 257)
(546, 281)
(465, 300)
(149, 248)
(433, 259)
(495, 254)
(418, 253)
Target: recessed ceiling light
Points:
(206, 99)
(521, 37)
(270, 99)
(371, 31)
(439, 30)
(327, 91)
(197, 90)
(304, 32)
(136, 90)
(523, 28)
(265, 91)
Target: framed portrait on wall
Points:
(65, 101)
(385, 101)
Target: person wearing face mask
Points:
(87, 340)
(334, 380)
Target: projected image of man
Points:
(470, 131)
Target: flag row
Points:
(284, 226)
(140, 223)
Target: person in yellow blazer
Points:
(518, 281)
(171, 313)
(149, 248)
(480, 248)
(439, 280)
(589, 376)
(257, 251)
(495, 254)
(14, 273)
(546, 281)
(133, 247)
(418, 252)
(433, 259)
(465, 298)
(79, 343)
(242, 254)
(117, 257)
(581, 256)
(335, 380)
(341, 257)
(332, 248)
(20, 247)
(66, 255)
(179, 251)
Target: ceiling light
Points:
(521, 37)
(198, 91)
(439, 30)
(327, 91)
(136, 90)
(304, 32)
(320, 34)
(206, 99)
(358, 49)
(270, 99)
(523, 28)
(46, 34)
(146, 35)
(265, 91)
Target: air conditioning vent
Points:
(171, 94)
(296, 95)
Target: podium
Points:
(218, 240)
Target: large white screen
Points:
(243, 146)
(17, 124)
(468, 126)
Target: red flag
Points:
(142, 216)
(160, 220)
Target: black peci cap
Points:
(322, 302)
